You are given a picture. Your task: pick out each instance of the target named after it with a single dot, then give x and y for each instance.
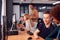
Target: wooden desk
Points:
(22, 36)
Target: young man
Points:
(45, 28)
(33, 12)
(55, 12)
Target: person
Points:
(22, 20)
(45, 28)
(26, 19)
(30, 24)
(33, 12)
(55, 13)
(21, 24)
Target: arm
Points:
(35, 33)
(36, 13)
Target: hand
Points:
(20, 25)
(36, 36)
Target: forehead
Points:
(46, 15)
(30, 5)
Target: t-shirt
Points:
(28, 26)
(44, 32)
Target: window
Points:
(24, 8)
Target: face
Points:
(31, 6)
(22, 18)
(46, 18)
(55, 21)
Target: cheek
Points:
(46, 20)
(54, 20)
(22, 19)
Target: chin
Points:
(46, 23)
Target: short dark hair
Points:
(47, 12)
(31, 4)
(55, 12)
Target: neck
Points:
(47, 25)
(32, 9)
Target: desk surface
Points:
(22, 36)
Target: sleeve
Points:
(53, 34)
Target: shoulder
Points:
(40, 25)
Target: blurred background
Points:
(9, 8)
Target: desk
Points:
(22, 36)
